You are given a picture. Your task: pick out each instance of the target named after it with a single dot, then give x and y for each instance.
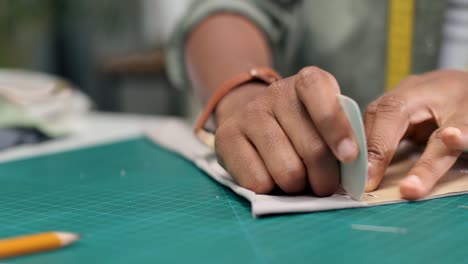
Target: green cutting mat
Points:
(134, 202)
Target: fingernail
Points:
(347, 150)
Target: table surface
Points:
(135, 202)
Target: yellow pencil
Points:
(28, 244)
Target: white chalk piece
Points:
(354, 174)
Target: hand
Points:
(287, 134)
(433, 106)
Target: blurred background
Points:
(112, 50)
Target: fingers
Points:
(456, 138)
(321, 166)
(436, 160)
(317, 90)
(278, 154)
(241, 160)
(390, 124)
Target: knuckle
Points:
(315, 151)
(271, 139)
(290, 173)
(327, 119)
(259, 185)
(371, 109)
(377, 150)
(223, 132)
(278, 85)
(224, 135)
(391, 104)
(255, 109)
(279, 92)
(296, 173)
(309, 75)
(311, 71)
(426, 164)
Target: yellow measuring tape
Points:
(400, 40)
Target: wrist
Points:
(237, 97)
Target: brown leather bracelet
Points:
(263, 74)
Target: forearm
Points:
(221, 47)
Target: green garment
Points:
(345, 37)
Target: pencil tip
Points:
(67, 238)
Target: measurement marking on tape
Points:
(383, 229)
(463, 206)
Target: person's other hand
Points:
(433, 106)
(285, 135)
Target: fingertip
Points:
(412, 188)
(325, 192)
(451, 132)
(347, 150)
(452, 137)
